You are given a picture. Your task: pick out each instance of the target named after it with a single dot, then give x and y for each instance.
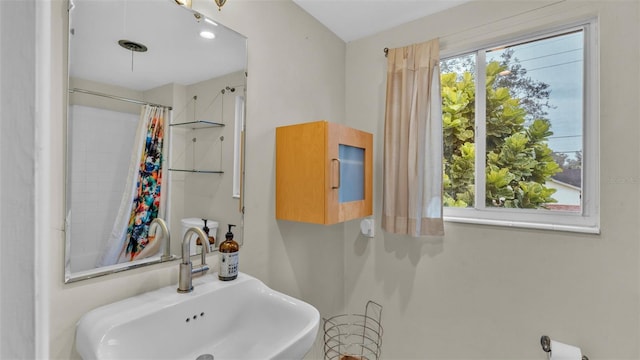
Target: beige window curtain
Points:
(412, 189)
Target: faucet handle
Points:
(185, 283)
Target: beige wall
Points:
(483, 292)
(296, 74)
(18, 210)
(477, 293)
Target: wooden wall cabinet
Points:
(323, 173)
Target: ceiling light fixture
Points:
(220, 3)
(186, 3)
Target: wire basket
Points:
(354, 336)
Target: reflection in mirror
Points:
(155, 129)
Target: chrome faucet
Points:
(186, 267)
(166, 254)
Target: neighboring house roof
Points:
(560, 207)
(570, 176)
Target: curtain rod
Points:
(83, 91)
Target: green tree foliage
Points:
(518, 159)
(533, 94)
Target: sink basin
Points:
(239, 319)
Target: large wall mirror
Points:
(155, 128)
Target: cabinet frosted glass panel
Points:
(351, 173)
(323, 173)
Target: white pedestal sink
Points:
(239, 319)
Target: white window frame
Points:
(586, 221)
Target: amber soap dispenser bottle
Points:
(228, 257)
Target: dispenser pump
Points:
(228, 257)
(205, 228)
(229, 234)
(212, 240)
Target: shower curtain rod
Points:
(83, 91)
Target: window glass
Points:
(534, 124)
(458, 125)
(529, 125)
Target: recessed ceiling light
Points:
(207, 34)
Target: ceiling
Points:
(177, 54)
(176, 51)
(355, 19)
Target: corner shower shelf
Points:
(199, 124)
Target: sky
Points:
(557, 61)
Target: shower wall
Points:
(99, 161)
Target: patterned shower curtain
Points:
(141, 201)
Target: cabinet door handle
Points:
(339, 175)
